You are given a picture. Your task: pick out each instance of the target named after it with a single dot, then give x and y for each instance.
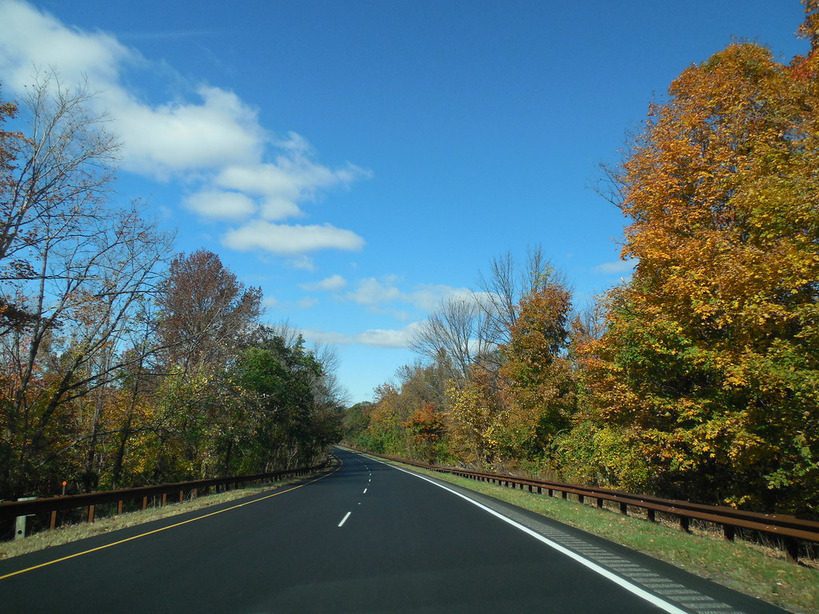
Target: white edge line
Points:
(343, 520)
(632, 588)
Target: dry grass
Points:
(74, 532)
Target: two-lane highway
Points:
(367, 537)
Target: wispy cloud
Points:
(376, 337)
(234, 168)
(288, 240)
(379, 292)
(328, 284)
(221, 205)
(372, 291)
(616, 266)
(301, 263)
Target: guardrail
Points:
(141, 496)
(790, 530)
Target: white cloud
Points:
(209, 137)
(286, 239)
(374, 292)
(376, 337)
(307, 302)
(221, 205)
(156, 140)
(294, 177)
(429, 297)
(617, 266)
(178, 137)
(388, 338)
(32, 38)
(326, 337)
(328, 284)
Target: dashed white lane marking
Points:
(365, 492)
(343, 520)
(632, 588)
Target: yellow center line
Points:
(159, 530)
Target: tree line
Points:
(698, 378)
(121, 364)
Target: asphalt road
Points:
(365, 538)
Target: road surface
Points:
(366, 538)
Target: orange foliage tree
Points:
(709, 369)
(536, 377)
(427, 430)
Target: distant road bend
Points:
(367, 538)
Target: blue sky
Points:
(362, 161)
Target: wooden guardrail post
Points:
(791, 549)
(90, 515)
(52, 524)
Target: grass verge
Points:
(737, 565)
(75, 532)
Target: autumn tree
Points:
(536, 377)
(709, 368)
(206, 311)
(426, 428)
(51, 177)
(471, 417)
(505, 285)
(76, 269)
(454, 335)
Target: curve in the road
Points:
(365, 538)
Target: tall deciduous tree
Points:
(536, 377)
(710, 364)
(455, 335)
(76, 271)
(206, 311)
